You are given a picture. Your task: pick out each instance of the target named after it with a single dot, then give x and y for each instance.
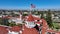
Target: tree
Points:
(1, 21)
(42, 15)
(12, 24)
(48, 19)
(5, 21)
(25, 14)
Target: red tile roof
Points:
(15, 28)
(52, 31)
(3, 30)
(30, 18)
(36, 18)
(38, 22)
(29, 31)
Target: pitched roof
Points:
(38, 22)
(36, 18)
(15, 28)
(3, 30)
(30, 18)
(29, 31)
(52, 31)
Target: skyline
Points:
(25, 4)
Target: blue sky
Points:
(25, 4)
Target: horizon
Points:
(25, 4)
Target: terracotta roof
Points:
(3, 30)
(30, 18)
(36, 18)
(29, 31)
(44, 23)
(9, 16)
(38, 22)
(52, 31)
(15, 28)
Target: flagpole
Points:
(30, 9)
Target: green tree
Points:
(1, 21)
(42, 14)
(25, 14)
(48, 19)
(12, 24)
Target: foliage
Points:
(0, 20)
(48, 19)
(25, 14)
(42, 15)
(56, 26)
(12, 24)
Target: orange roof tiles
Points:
(30, 18)
(36, 18)
(3, 30)
(15, 28)
(29, 31)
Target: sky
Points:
(25, 4)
